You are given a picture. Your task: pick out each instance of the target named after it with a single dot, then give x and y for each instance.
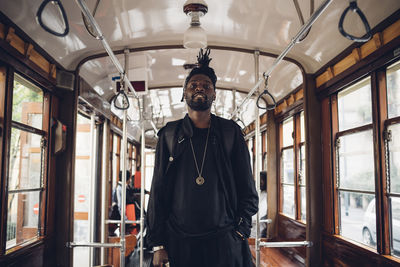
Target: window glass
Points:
(395, 225)
(394, 158)
(302, 129)
(354, 105)
(287, 132)
(27, 105)
(302, 170)
(288, 200)
(82, 192)
(358, 217)
(393, 90)
(303, 203)
(356, 161)
(22, 217)
(115, 159)
(287, 166)
(302, 177)
(25, 160)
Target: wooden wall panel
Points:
(340, 252)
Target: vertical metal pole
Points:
(123, 191)
(123, 158)
(92, 186)
(104, 199)
(142, 172)
(257, 161)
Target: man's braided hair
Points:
(203, 61)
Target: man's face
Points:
(199, 93)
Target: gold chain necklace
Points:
(200, 179)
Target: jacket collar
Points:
(187, 127)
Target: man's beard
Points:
(199, 104)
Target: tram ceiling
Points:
(267, 25)
(253, 25)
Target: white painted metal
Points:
(93, 182)
(124, 152)
(258, 154)
(142, 183)
(104, 186)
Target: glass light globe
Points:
(195, 37)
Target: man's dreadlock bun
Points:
(203, 61)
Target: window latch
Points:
(387, 135)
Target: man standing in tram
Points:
(203, 193)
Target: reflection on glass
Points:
(356, 163)
(24, 165)
(303, 203)
(395, 225)
(393, 90)
(302, 165)
(22, 217)
(27, 105)
(287, 132)
(287, 166)
(354, 105)
(394, 158)
(302, 129)
(288, 200)
(358, 217)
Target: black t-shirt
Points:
(198, 209)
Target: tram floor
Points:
(273, 257)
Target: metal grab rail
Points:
(353, 7)
(85, 10)
(119, 221)
(290, 244)
(93, 245)
(302, 30)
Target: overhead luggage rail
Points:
(297, 37)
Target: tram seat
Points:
(114, 253)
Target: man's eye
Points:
(193, 85)
(206, 86)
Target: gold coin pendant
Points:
(199, 180)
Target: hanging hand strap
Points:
(353, 7)
(63, 14)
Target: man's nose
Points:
(199, 88)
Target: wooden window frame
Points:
(297, 143)
(379, 124)
(6, 113)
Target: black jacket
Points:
(234, 168)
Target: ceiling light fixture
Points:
(195, 36)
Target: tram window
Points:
(288, 182)
(27, 105)
(292, 164)
(354, 105)
(288, 132)
(393, 90)
(355, 164)
(26, 166)
(82, 186)
(302, 169)
(302, 182)
(394, 182)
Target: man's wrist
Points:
(157, 248)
